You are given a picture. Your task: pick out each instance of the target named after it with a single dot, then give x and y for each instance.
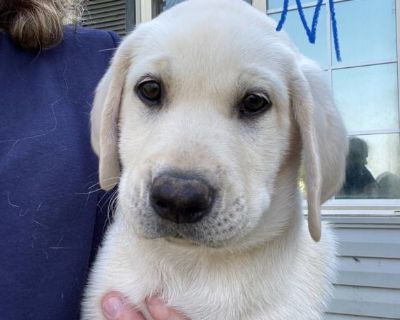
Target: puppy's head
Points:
(202, 117)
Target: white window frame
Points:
(369, 207)
(143, 10)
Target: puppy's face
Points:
(210, 103)
(204, 126)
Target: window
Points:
(161, 5)
(365, 86)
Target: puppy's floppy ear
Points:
(104, 118)
(323, 137)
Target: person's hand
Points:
(114, 307)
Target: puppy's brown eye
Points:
(253, 104)
(149, 91)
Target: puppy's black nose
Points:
(181, 198)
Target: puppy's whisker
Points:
(91, 192)
(112, 205)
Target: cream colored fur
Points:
(251, 258)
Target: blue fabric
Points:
(49, 222)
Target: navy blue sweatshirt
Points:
(50, 221)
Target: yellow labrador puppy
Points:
(203, 118)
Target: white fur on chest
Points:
(281, 280)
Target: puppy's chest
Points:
(200, 287)
(205, 291)
(210, 297)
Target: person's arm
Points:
(114, 307)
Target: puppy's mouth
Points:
(181, 240)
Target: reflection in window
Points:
(367, 97)
(359, 180)
(373, 169)
(365, 86)
(165, 4)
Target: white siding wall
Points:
(368, 281)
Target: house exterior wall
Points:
(107, 14)
(368, 278)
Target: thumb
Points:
(114, 307)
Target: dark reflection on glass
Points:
(162, 5)
(389, 185)
(169, 3)
(360, 183)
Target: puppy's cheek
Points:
(135, 212)
(131, 193)
(233, 214)
(125, 198)
(258, 203)
(258, 199)
(262, 200)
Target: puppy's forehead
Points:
(210, 39)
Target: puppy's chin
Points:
(185, 241)
(181, 241)
(185, 236)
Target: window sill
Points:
(368, 207)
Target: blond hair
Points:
(38, 24)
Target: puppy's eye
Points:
(253, 104)
(149, 91)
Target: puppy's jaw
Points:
(223, 224)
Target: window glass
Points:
(278, 4)
(367, 31)
(294, 27)
(367, 97)
(169, 3)
(373, 167)
(161, 5)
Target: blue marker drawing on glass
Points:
(311, 32)
(335, 30)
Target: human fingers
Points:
(115, 307)
(160, 311)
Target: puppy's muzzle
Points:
(181, 198)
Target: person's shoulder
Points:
(78, 35)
